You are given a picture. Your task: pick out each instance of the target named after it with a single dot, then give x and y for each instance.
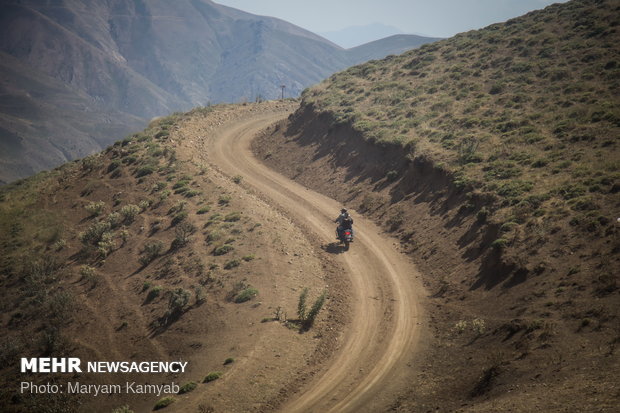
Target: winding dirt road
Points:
(381, 338)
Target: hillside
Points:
(145, 252)
(79, 73)
(493, 157)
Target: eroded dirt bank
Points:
(509, 329)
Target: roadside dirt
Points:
(369, 359)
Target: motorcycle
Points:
(346, 237)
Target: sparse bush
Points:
(482, 215)
(106, 245)
(229, 360)
(145, 170)
(237, 179)
(248, 258)
(95, 208)
(224, 200)
(499, 243)
(224, 249)
(164, 402)
(301, 304)
(192, 193)
(182, 232)
(214, 375)
(94, 233)
(391, 176)
(88, 273)
(154, 293)
(232, 264)
(129, 213)
(232, 217)
(144, 204)
(246, 295)
(178, 218)
(152, 250)
(187, 387)
(178, 300)
(461, 326)
(314, 311)
(60, 305)
(213, 236)
(478, 326)
(115, 219)
(124, 234)
(114, 165)
(59, 245)
(203, 210)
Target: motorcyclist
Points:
(344, 221)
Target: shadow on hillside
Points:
(164, 322)
(334, 248)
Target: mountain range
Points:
(76, 75)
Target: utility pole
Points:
(283, 87)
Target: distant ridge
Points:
(80, 74)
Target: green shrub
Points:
(152, 250)
(224, 249)
(94, 233)
(213, 236)
(203, 210)
(499, 243)
(232, 217)
(164, 402)
(237, 179)
(301, 304)
(224, 200)
(95, 208)
(182, 234)
(229, 360)
(144, 170)
(314, 311)
(114, 165)
(129, 212)
(178, 218)
(154, 293)
(192, 193)
(178, 300)
(115, 219)
(482, 215)
(214, 375)
(246, 295)
(232, 264)
(187, 387)
(391, 176)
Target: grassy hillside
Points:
(527, 111)
(493, 157)
(141, 253)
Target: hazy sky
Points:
(440, 18)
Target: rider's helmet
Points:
(343, 210)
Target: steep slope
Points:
(493, 156)
(132, 59)
(145, 252)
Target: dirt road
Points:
(372, 360)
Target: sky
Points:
(435, 18)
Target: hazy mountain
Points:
(357, 35)
(79, 74)
(396, 44)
